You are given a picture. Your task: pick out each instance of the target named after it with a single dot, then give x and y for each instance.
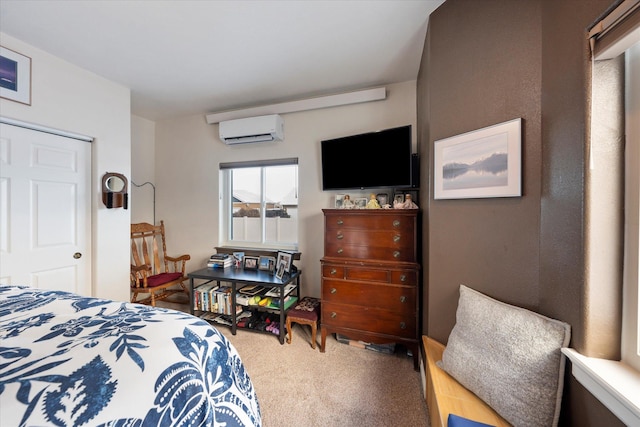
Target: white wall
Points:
(69, 98)
(188, 152)
(143, 158)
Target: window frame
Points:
(612, 382)
(630, 341)
(226, 204)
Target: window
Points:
(259, 203)
(630, 330)
(615, 128)
(615, 383)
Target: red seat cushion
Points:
(308, 308)
(161, 279)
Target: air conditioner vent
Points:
(252, 130)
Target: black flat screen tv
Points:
(369, 160)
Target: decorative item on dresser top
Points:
(370, 277)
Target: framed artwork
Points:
(479, 164)
(250, 262)
(280, 270)
(285, 259)
(339, 201)
(238, 257)
(266, 263)
(383, 198)
(361, 202)
(15, 76)
(398, 198)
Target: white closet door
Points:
(45, 210)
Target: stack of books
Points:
(220, 261)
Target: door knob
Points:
(77, 255)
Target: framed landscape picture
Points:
(479, 164)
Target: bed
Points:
(77, 361)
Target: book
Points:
(220, 263)
(200, 296)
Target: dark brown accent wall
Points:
(487, 62)
(483, 69)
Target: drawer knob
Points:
(340, 236)
(340, 222)
(403, 325)
(403, 299)
(396, 254)
(333, 271)
(334, 290)
(396, 238)
(403, 278)
(340, 250)
(333, 314)
(396, 223)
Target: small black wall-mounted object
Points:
(114, 190)
(415, 170)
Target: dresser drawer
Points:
(339, 250)
(404, 277)
(369, 221)
(400, 299)
(368, 274)
(379, 238)
(333, 271)
(369, 319)
(351, 272)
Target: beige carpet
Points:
(298, 386)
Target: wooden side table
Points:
(305, 312)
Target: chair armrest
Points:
(140, 274)
(176, 259)
(181, 260)
(141, 268)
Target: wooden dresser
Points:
(370, 276)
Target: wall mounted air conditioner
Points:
(252, 129)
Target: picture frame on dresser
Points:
(286, 259)
(383, 198)
(280, 270)
(250, 262)
(267, 263)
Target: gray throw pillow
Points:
(509, 357)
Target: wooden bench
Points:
(446, 396)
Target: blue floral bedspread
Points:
(68, 360)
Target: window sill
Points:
(613, 383)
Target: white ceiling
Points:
(189, 57)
